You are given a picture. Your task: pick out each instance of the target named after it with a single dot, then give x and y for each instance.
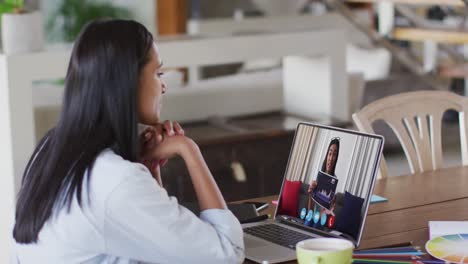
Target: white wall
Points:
(7, 184)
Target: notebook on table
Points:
(442, 228)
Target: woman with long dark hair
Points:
(92, 191)
(329, 163)
(328, 166)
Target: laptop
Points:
(326, 192)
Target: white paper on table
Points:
(441, 228)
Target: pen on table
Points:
(431, 262)
(393, 257)
(389, 253)
(404, 244)
(255, 219)
(379, 261)
(402, 251)
(382, 250)
(405, 261)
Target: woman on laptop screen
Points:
(329, 163)
(322, 189)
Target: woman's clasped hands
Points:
(159, 143)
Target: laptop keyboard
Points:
(277, 234)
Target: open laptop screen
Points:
(329, 180)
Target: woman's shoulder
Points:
(109, 160)
(110, 170)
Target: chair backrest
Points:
(416, 119)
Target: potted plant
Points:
(21, 30)
(70, 16)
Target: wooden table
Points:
(413, 200)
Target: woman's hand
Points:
(208, 194)
(177, 145)
(312, 186)
(151, 138)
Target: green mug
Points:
(324, 251)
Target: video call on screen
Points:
(328, 179)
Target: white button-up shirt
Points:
(131, 219)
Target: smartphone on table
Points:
(259, 206)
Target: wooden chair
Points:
(416, 119)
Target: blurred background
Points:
(243, 73)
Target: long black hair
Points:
(99, 111)
(334, 141)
